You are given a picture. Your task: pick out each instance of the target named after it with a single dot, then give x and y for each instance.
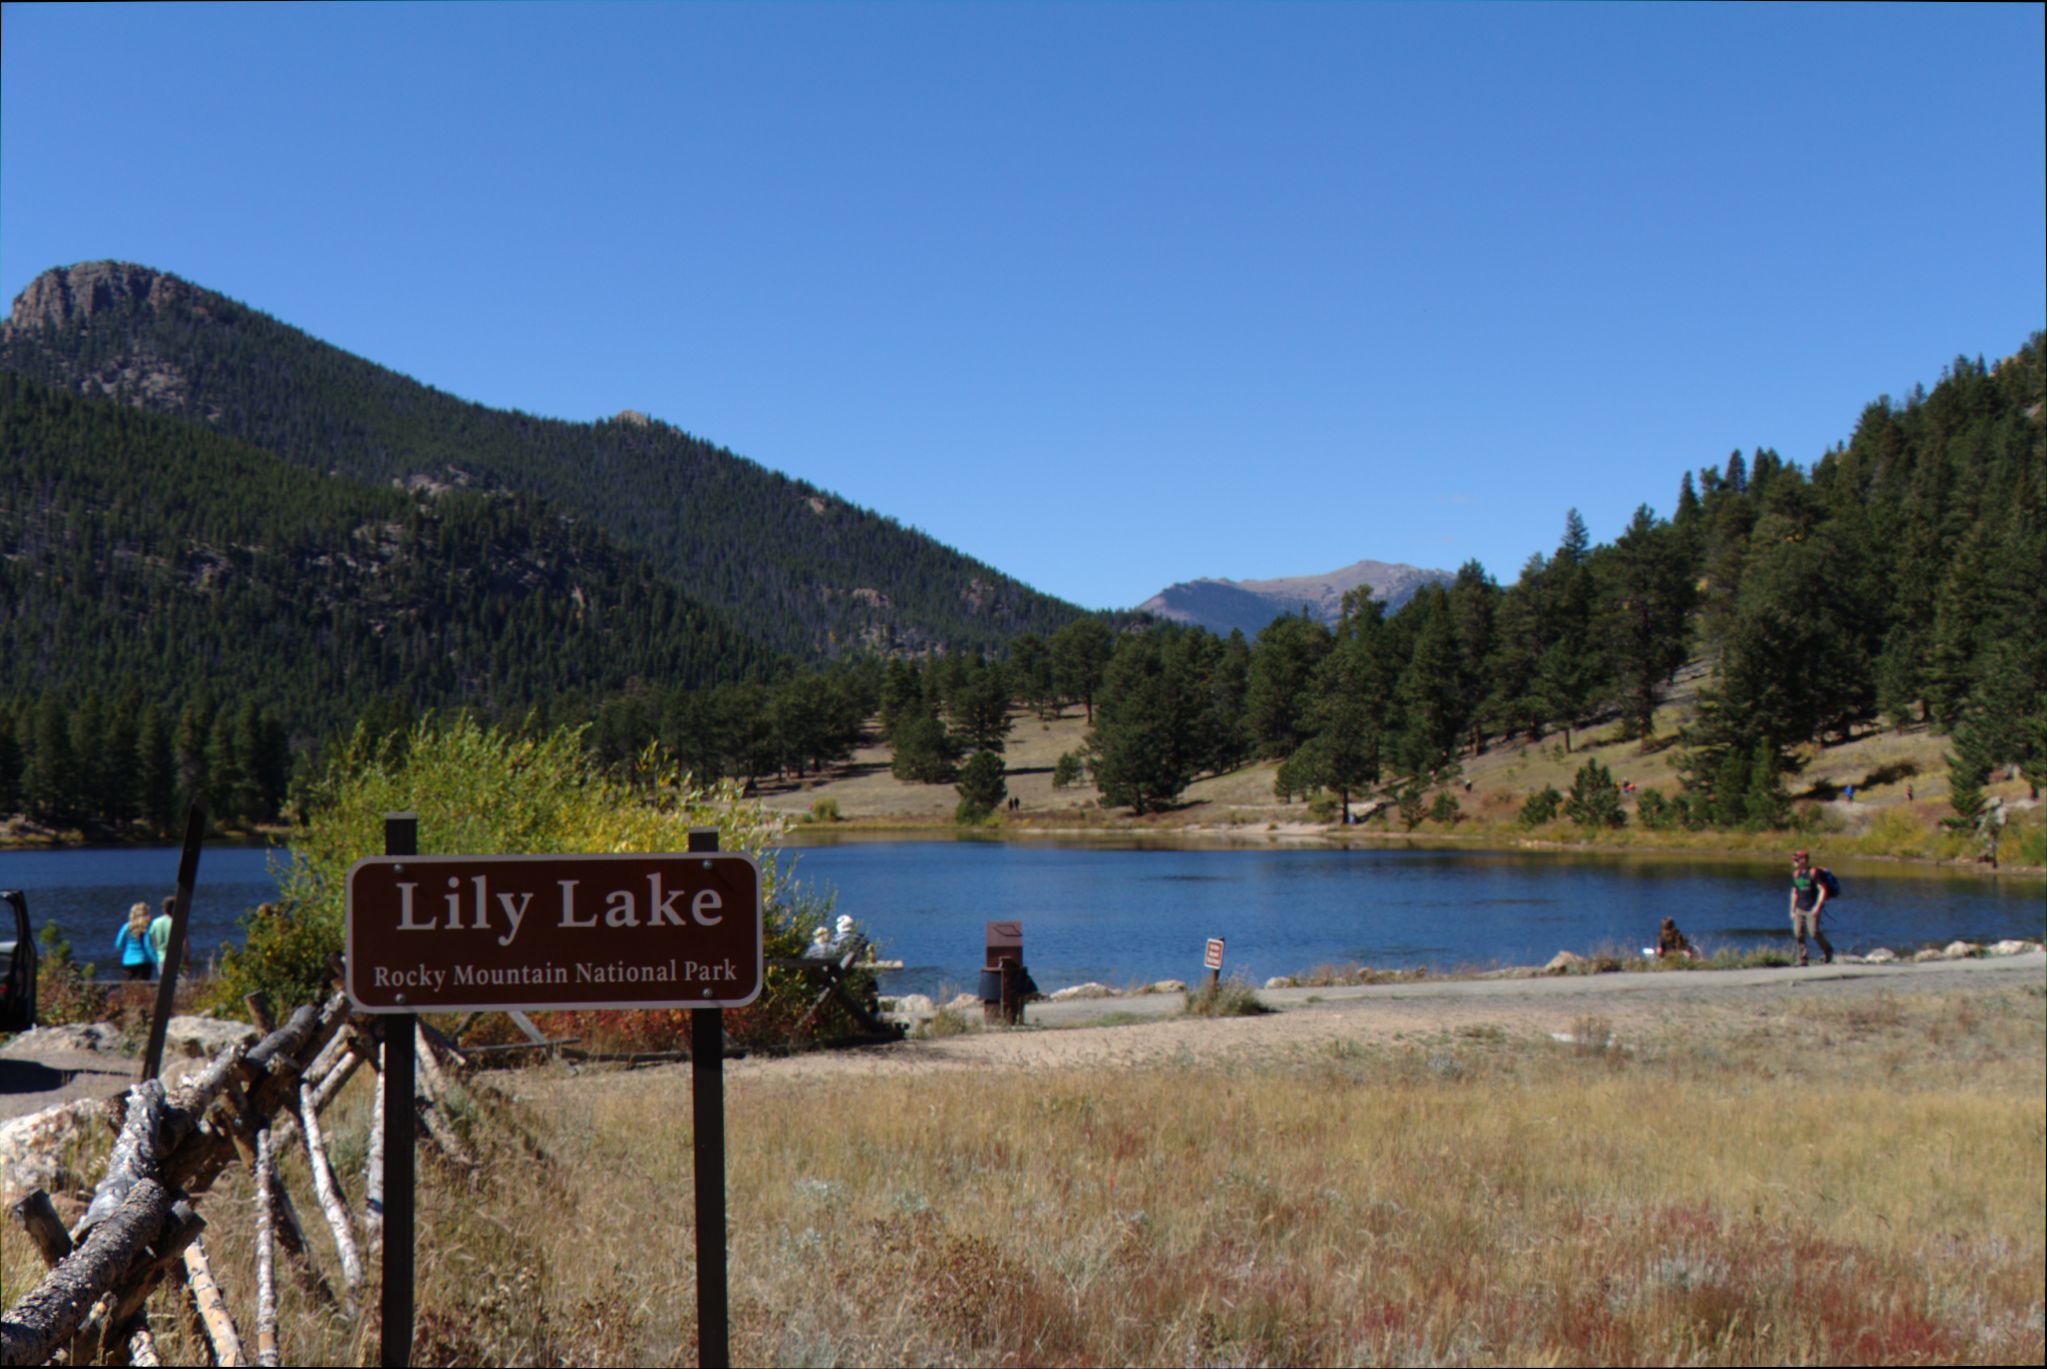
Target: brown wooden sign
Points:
(431, 933)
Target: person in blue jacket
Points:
(131, 943)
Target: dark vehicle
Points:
(17, 965)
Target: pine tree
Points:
(1281, 684)
(979, 709)
(1431, 694)
(1644, 605)
(11, 764)
(53, 789)
(982, 786)
(1595, 800)
(156, 773)
(1765, 804)
(1142, 733)
(924, 751)
(1080, 660)
(1349, 717)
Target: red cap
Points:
(1800, 855)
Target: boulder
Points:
(1087, 990)
(32, 1148)
(1563, 962)
(205, 1036)
(1959, 950)
(963, 1003)
(1168, 986)
(1279, 981)
(81, 1036)
(1882, 955)
(908, 1010)
(1929, 953)
(2010, 947)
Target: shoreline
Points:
(802, 834)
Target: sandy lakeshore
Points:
(1089, 1034)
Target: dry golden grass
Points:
(1850, 1178)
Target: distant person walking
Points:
(1808, 901)
(131, 943)
(160, 932)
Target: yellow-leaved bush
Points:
(480, 791)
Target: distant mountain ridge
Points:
(797, 567)
(1250, 605)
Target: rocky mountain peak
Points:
(1249, 605)
(66, 295)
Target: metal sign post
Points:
(524, 933)
(401, 838)
(707, 1142)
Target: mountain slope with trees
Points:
(806, 571)
(152, 564)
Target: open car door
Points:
(17, 964)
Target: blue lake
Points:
(1128, 913)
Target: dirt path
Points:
(32, 1080)
(1312, 1018)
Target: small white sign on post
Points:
(1214, 959)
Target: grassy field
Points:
(1856, 1178)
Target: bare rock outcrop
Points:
(69, 294)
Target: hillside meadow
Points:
(1882, 819)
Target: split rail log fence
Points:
(141, 1227)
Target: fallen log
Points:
(335, 1080)
(272, 1071)
(52, 1312)
(123, 1318)
(266, 1281)
(291, 1234)
(327, 1191)
(215, 1322)
(373, 1170)
(134, 1156)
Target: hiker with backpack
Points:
(1810, 890)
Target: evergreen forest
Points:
(191, 612)
(806, 572)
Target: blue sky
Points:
(1107, 295)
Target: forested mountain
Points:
(1902, 580)
(150, 555)
(802, 569)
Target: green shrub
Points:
(825, 810)
(1541, 807)
(1068, 770)
(944, 1022)
(1411, 803)
(1324, 806)
(65, 992)
(1225, 998)
(1659, 814)
(1595, 799)
(1445, 809)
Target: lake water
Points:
(1128, 913)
